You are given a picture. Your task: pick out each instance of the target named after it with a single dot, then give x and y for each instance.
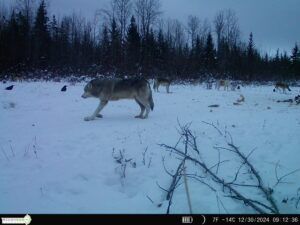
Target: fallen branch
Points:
(215, 177)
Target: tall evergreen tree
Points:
(105, 52)
(163, 56)
(41, 35)
(133, 45)
(250, 57)
(209, 54)
(295, 57)
(24, 30)
(115, 46)
(295, 62)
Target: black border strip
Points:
(39, 219)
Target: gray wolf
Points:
(224, 83)
(234, 85)
(115, 89)
(282, 86)
(163, 82)
(209, 83)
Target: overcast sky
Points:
(274, 23)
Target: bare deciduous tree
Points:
(232, 30)
(179, 37)
(219, 23)
(204, 30)
(27, 7)
(123, 11)
(226, 27)
(120, 11)
(193, 28)
(147, 12)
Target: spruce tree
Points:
(133, 44)
(41, 35)
(250, 57)
(209, 54)
(115, 46)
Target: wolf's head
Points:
(87, 91)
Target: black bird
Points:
(64, 88)
(9, 87)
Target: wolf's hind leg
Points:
(147, 111)
(146, 105)
(97, 111)
(142, 109)
(167, 87)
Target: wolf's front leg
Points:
(97, 111)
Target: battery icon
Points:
(187, 219)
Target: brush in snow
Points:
(297, 99)
(64, 88)
(287, 100)
(9, 87)
(214, 106)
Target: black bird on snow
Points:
(64, 88)
(9, 87)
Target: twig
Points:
(216, 178)
(187, 189)
(211, 124)
(175, 181)
(150, 199)
(266, 191)
(166, 170)
(144, 155)
(140, 138)
(201, 181)
(297, 203)
(150, 160)
(279, 179)
(12, 151)
(217, 164)
(161, 187)
(254, 201)
(4, 153)
(237, 173)
(190, 141)
(245, 185)
(219, 200)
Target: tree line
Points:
(131, 38)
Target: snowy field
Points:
(52, 161)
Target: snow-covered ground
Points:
(52, 161)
